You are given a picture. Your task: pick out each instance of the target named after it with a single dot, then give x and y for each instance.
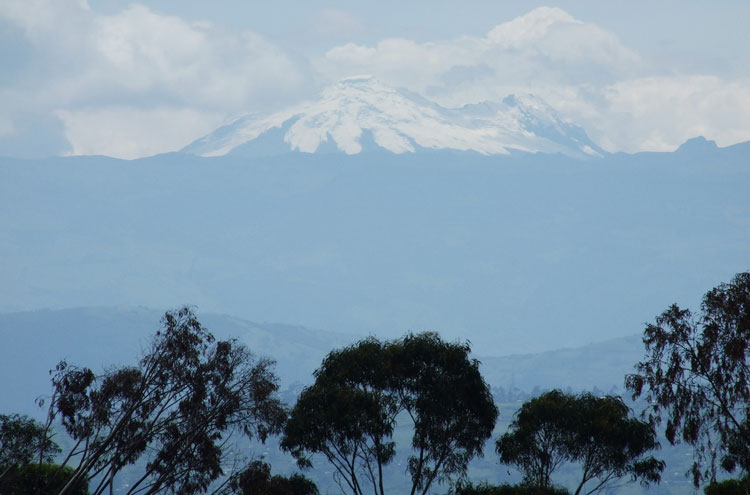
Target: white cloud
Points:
(88, 68)
(127, 132)
(38, 17)
(579, 68)
(336, 24)
(142, 51)
(660, 113)
(543, 45)
(530, 27)
(138, 69)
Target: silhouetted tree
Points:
(176, 410)
(696, 376)
(538, 437)
(596, 432)
(611, 445)
(349, 414)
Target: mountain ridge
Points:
(103, 336)
(460, 243)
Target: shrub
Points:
(729, 487)
(508, 489)
(49, 478)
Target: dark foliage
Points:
(507, 489)
(728, 487)
(40, 479)
(256, 479)
(596, 432)
(349, 414)
(23, 441)
(696, 378)
(538, 438)
(176, 410)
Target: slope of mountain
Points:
(35, 341)
(602, 365)
(362, 114)
(519, 253)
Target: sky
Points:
(129, 80)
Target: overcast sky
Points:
(135, 79)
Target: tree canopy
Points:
(175, 411)
(256, 479)
(507, 489)
(40, 479)
(696, 378)
(596, 432)
(349, 414)
(23, 440)
(536, 441)
(728, 487)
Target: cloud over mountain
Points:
(118, 81)
(580, 68)
(134, 81)
(544, 43)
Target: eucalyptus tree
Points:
(610, 444)
(696, 378)
(597, 433)
(351, 411)
(174, 413)
(537, 439)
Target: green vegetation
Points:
(729, 487)
(22, 442)
(596, 432)
(176, 411)
(507, 489)
(170, 423)
(696, 376)
(26, 451)
(256, 479)
(41, 479)
(349, 414)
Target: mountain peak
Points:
(697, 144)
(362, 108)
(362, 78)
(356, 83)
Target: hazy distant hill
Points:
(518, 254)
(33, 342)
(602, 365)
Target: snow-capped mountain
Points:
(361, 113)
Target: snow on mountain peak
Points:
(362, 110)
